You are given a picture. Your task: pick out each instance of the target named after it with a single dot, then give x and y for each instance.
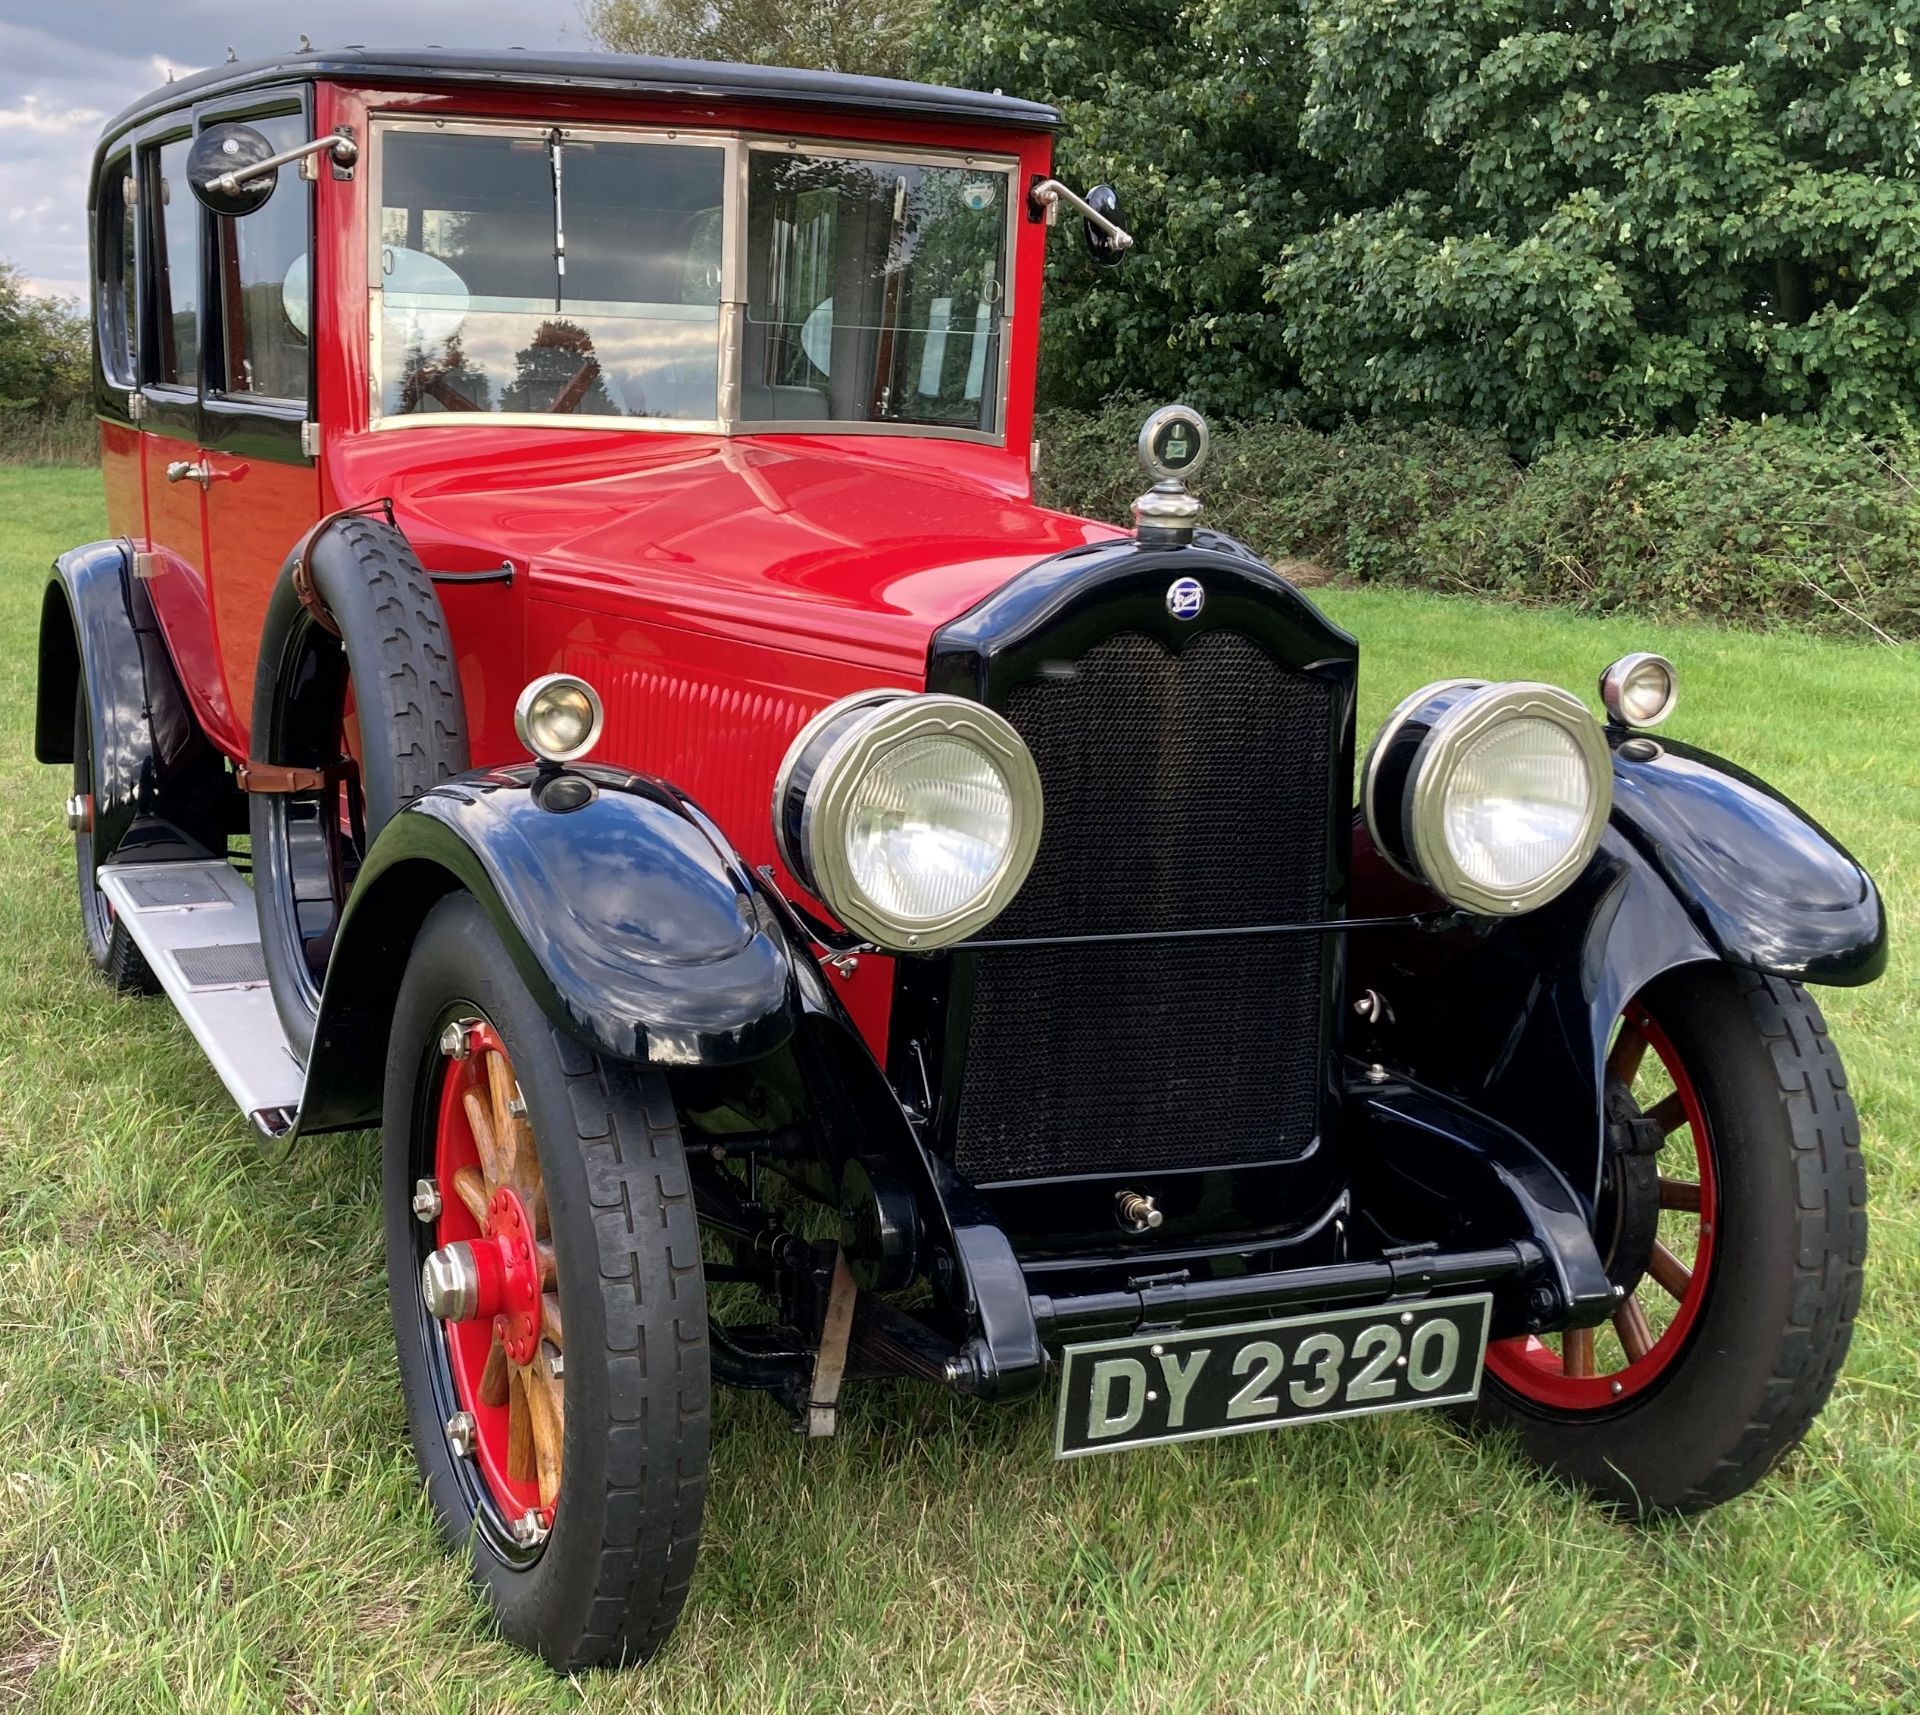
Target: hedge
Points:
(1767, 524)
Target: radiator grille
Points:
(1182, 791)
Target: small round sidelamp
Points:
(1495, 796)
(915, 818)
(1640, 690)
(559, 717)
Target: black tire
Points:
(608, 1584)
(394, 649)
(1784, 1285)
(109, 946)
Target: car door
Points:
(173, 284)
(262, 487)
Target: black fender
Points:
(152, 764)
(634, 926)
(1762, 881)
(1701, 862)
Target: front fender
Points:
(1702, 862)
(634, 930)
(1512, 1015)
(1761, 880)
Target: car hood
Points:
(857, 548)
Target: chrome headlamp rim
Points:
(813, 845)
(1376, 753)
(1433, 767)
(523, 713)
(797, 751)
(1613, 688)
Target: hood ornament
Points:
(1174, 443)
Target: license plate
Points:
(1150, 1388)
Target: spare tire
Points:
(364, 646)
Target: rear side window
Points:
(264, 282)
(173, 230)
(116, 306)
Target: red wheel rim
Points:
(1592, 1369)
(500, 1211)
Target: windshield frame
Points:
(739, 146)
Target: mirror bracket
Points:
(344, 149)
(1048, 194)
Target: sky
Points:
(68, 66)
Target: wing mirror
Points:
(1105, 237)
(1107, 240)
(233, 169)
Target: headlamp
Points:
(1494, 796)
(559, 717)
(915, 818)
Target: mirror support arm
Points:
(345, 153)
(1048, 195)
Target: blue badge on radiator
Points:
(1185, 598)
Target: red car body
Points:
(720, 590)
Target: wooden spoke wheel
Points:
(505, 1345)
(549, 1307)
(1732, 1214)
(1587, 1369)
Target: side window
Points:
(265, 282)
(173, 235)
(116, 308)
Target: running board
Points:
(195, 923)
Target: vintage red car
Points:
(580, 680)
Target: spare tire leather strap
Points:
(303, 568)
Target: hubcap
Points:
(492, 1282)
(1587, 1369)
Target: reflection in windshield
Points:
(482, 312)
(875, 291)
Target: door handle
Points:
(202, 472)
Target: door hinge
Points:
(136, 407)
(310, 440)
(146, 565)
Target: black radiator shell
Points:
(1093, 1066)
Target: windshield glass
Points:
(875, 291)
(519, 272)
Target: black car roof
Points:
(620, 74)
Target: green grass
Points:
(207, 1500)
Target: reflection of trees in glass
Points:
(910, 257)
(558, 372)
(448, 380)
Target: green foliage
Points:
(44, 362)
(1529, 217)
(869, 36)
(1769, 524)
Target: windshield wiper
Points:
(555, 149)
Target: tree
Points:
(1192, 113)
(45, 356)
(868, 36)
(1526, 214)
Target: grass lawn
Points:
(207, 1500)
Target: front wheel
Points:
(1733, 1219)
(549, 1305)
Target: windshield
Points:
(875, 291)
(581, 276)
(531, 274)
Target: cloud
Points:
(34, 114)
(79, 62)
